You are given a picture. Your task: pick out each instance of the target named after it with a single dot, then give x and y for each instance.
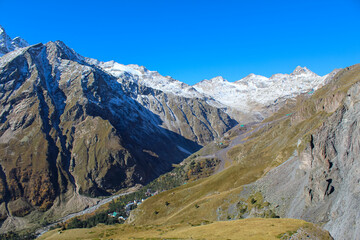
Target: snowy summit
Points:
(256, 89)
(7, 44)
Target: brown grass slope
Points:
(254, 228)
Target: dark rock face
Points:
(67, 126)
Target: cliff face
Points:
(69, 128)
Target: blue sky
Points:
(194, 40)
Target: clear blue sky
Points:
(194, 40)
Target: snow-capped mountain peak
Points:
(7, 44)
(301, 70)
(251, 78)
(215, 80)
(255, 90)
(118, 70)
(218, 79)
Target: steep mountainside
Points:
(300, 163)
(320, 183)
(69, 128)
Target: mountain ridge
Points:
(250, 99)
(222, 94)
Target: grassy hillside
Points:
(254, 228)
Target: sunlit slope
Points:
(254, 228)
(203, 200)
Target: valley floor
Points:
(89, 210)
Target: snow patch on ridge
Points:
(142, 76)
(183, 150)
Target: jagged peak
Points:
(301, 70)
(251, 77)
(218, 79)
(138, 67)
(112, 63)
(8, 45)
(2, 30)
(5, 42)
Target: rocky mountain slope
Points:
(320, 183)
(68, 129)
(300, 163)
